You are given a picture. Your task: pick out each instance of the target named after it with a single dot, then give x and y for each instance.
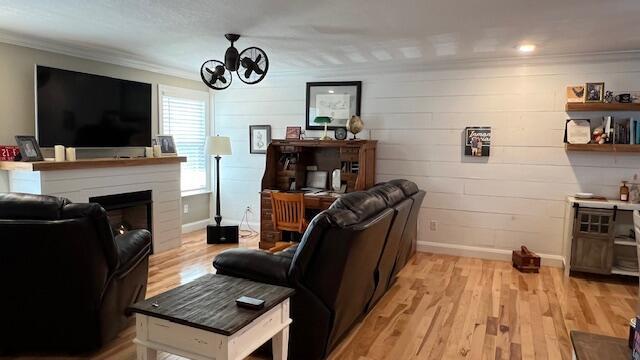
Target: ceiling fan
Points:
(251, 66)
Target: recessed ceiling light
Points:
(331, 91)
(526, 48)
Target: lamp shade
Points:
(218, 145)
(322, 120)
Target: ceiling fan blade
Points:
(209, 71)
(258, 70)
(247, 73)
(258, 59)
(222, 80)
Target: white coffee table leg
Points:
(280, 344)
(145, 353)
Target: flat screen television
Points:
(91, 111)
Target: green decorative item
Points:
(326, 121)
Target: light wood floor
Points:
(443, 307)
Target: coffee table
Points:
(200, 320)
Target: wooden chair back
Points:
(288, 212)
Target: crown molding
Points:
(451, 64)
(121, 58)
(93, 53)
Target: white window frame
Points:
(194, 95)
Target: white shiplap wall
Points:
(514, 197)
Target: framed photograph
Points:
(259, 138)
(477, 141)
(293, 132)
(167, 145)
(594, 92)
(29, 148)
(575, 93)
(336, 100)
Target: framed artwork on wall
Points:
(259, 138)
(337, 100)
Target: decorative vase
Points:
(355, 125)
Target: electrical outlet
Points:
(433, 225)
(185, 208)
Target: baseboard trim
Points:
(482, 252)
(195, 226)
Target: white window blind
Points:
(185, 118)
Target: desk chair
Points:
(288, 215)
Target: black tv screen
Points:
(84, 110)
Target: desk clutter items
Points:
(70, 153)
(29, 148)
(525, 260)
(9, 152)
(355, 125)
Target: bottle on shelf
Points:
(624, 191)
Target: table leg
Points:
(145, 353)
(280, 344)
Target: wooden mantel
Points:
(88, 163)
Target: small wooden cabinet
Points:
(592, 246)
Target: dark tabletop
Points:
(209, 303)
(591, 347)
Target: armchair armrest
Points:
(254, 265)
(133, 247)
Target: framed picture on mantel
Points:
(337, 100)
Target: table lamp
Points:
(323, 120)
(218, 234)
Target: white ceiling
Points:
(320, 34)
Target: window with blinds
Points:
(185, 118)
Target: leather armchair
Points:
(66, 279)
(344, 263)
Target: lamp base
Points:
(222, 234)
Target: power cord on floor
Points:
(246, 234)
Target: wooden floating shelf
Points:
(623, 148)
(602, 107)
(88, 163)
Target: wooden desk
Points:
(286, 166)
(268, 234)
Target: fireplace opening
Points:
(127, 211)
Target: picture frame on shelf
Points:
(338, 100)
(167, 145)
(575, 93)
(340, 133)
(594, 92)
(29, 148)
(259, 138)
(293, 132)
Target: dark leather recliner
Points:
(343, 265)
(66, 280)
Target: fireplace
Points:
(128, 211)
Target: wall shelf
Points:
(622, 148)
(602, 107)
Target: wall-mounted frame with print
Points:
(259, 138)
(338, 100)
